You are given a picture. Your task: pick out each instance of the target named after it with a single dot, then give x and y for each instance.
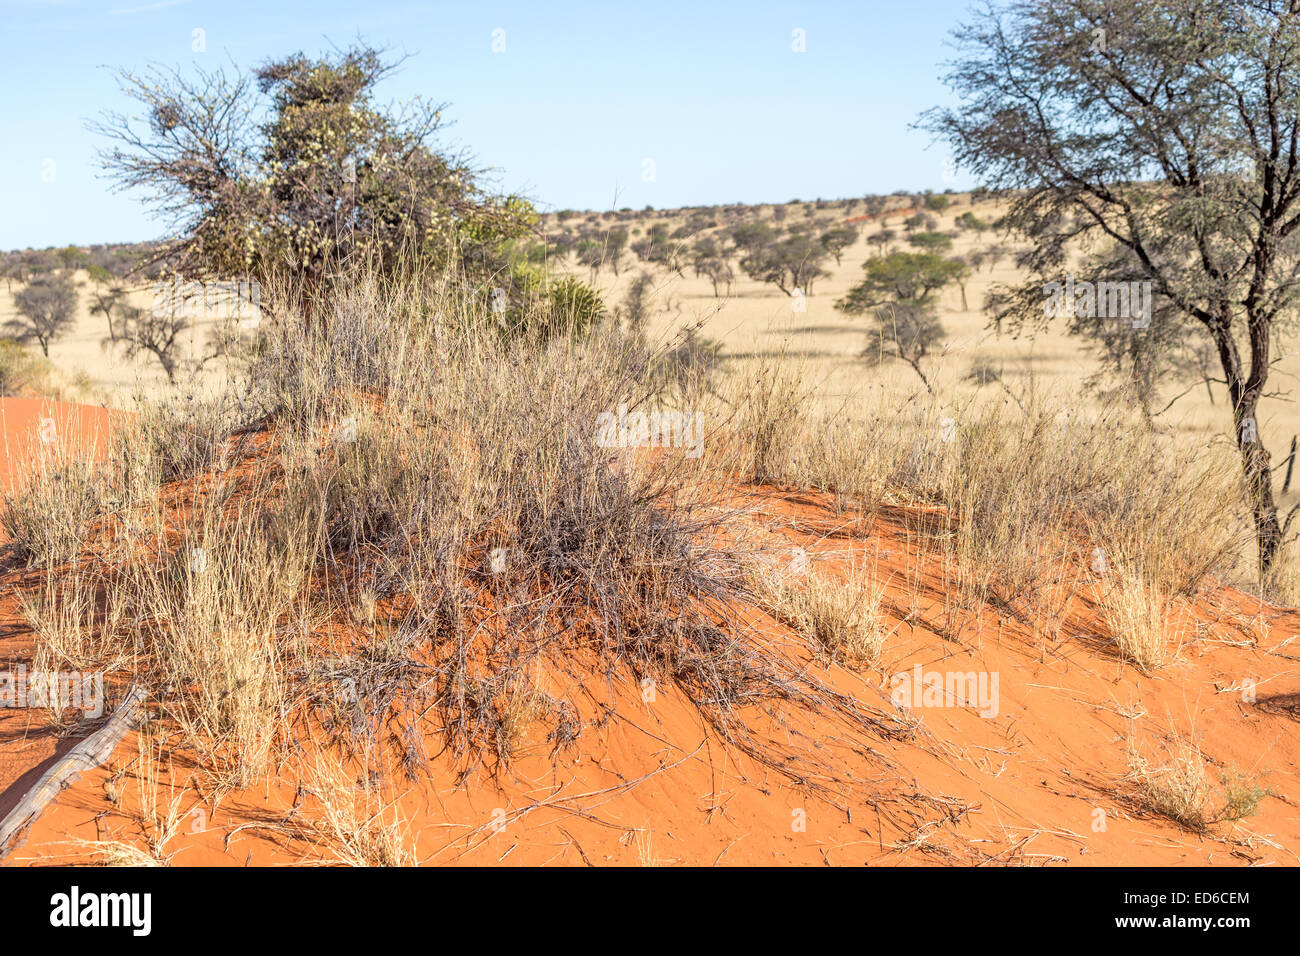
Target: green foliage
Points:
(616, 240)
(72, 257)
(752, 235)
(574, 307)
(789, 264)
(906, 333)
(900, 278)
(537, 308)
(918, 221)
(898, 291)
(836, 240)
(1242, 795)
(326, 175)
(930, 241)
(710, 262)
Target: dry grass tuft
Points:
(117, 853)
(1178, 789)
(1136, 613)
(352, 823)
(48, 521)
(842, 616)
(79, 626)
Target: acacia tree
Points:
(1138, 358)
(46, 308)
(591, 253)
(882, 239)
(930, 241)
(151, 332)
(789, 264)
(710, 262)
(1169, 129)
(615, 245)
(919, 221)
(836, 240)
(899, 292)
(961, 276)
(659, 248)
(752, 235)
(106, 295)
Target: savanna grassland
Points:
(400, 600)
(769, 534)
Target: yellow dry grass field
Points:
(758, 320)
(87, 368)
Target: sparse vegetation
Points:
(1167, 170)
(45, 306)
(842, 616)
(496, 526)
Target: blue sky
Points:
(582, 95)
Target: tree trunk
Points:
(1244, 397)
(89, 753)
(916, 367)
(1255, 461)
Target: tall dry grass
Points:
(47, 521)
(841, 614)
(370, 469)
(405, 465)
(1017, 499)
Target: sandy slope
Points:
(1045, 779)
(29, 428)
(1042, 778)
(30, 425)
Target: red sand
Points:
(1043, 781)
(28, 427)
(29, 424)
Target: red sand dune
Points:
(1042, 781)
(29, 424)
(30, 427)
